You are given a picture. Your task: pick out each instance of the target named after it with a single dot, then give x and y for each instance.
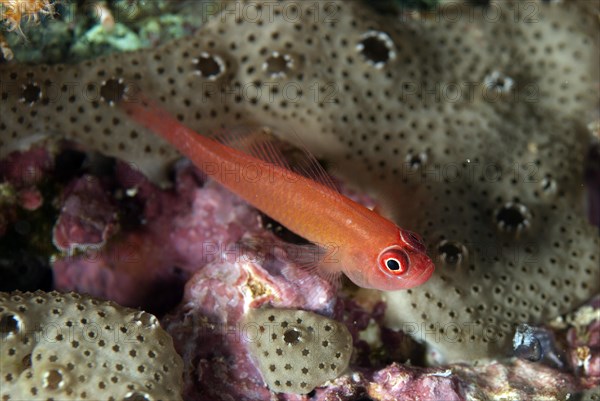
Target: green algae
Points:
(75, 33)
(99, 41)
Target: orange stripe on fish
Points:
(371, 250)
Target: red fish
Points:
(371, 250)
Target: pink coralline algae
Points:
(23, 169)
(21, 173)
(88, 216)
(178, 231)
(206, 326)
(397, 382)
(30, 199)
(519, 380)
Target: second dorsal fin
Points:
(263, 144)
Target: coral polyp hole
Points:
(278, 65)
(135, 396)
(53, 379)
(31, 93)
(9, 325)
(451, 253)
(292, 336)
(146, 320)
(497, 82)
(548, 185)
(209, 66)
(26, 361)
(113, 90)
(416, 160)
(513, 217)
(377, 48)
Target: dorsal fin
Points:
(262, 143)
(256, 141)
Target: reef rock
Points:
(583, 338)
(88, 217)
(208, 326)
(480, 154)
(494, 381)
(171, 235)
(21, 173)
(26, 169)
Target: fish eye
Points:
(394, 262)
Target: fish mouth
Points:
(427, 272)
(424, 275)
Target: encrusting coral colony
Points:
(468, 124)
(306, 347)
(50, 350)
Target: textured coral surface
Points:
(74, 347)
(297, 351)
(490, 176)
(468, 125)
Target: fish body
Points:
(371, 250)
